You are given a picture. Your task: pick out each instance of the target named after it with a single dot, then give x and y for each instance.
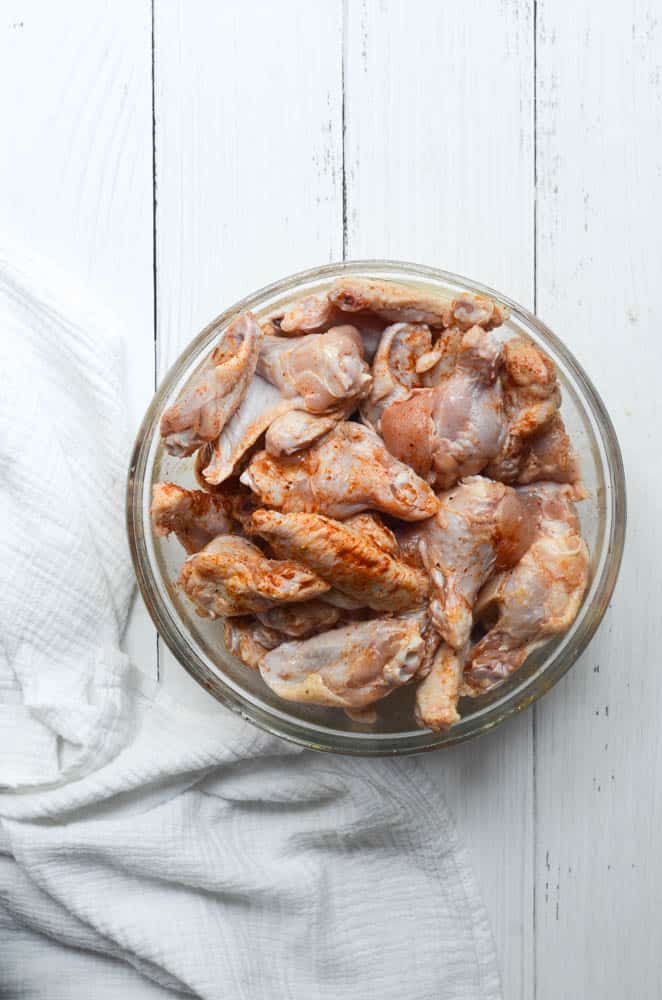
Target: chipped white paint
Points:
(430, 108)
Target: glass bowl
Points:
(197, 643)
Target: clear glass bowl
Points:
(197, 643)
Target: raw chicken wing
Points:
(394, 372)
(294, 431)
(300, 620)
(231, 576)
(210, 398)
(456, 428)
(348, 667)
(348, 471)
(347, 559)
(535, 445)
(481, 526)
(437, 694)
(262, 405)
(249, 640)
(327, 371)
(195, 517)
(539, 597)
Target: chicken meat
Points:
(210, 398)
(536, 599)
(326, 371)
(408, 304)
(262, 405)
(394, 369)
(298, 621)
(231, 576)
(482, 526)
(347, 471)
(346, 558)
(294, 431)
(437, 694)
(194, 516)
(454, 429)
(249, 640)
(348, 667)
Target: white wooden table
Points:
(175, 156)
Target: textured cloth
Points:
(146, 851)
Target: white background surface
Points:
(173, 159)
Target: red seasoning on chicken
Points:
(406, 479)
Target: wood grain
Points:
(288, 133)
(439, 161)
(599, 752)
(249, 168)
(76, 174)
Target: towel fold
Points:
(146, 851)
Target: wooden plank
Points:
(439, 168)
(249, 179)
(76, 177)
(599, 760)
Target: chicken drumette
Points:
(454, 429)
(348, 667)
(346, 472)
(537, 598)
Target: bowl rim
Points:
(379, 744)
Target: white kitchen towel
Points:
(146, 851)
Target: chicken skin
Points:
(535, 445)
(387, 496)
(348, 667)
(408, 304)
(298, 621)
(261, 406)
(294, 431)
(394, 369)
(346, 472)
(437, 694)
(326, 371)
(481, 526)
(194, 516)
(537, 598)
(454, 429)
(210, 398)
(249, 640)
(348, 560)
(231, 576)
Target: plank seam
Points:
(154, 258)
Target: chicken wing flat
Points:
(394, 369)
(481, 526)
(349, 561)
(327, 371)
(194, 516)
(210, 398)
(454, 429)
(231, 576)
(249, 640)
(393, 302)
(408, 304)
(437, 694)
(347, 667)
(261, 406)
(537, 598)
(346, 472)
